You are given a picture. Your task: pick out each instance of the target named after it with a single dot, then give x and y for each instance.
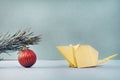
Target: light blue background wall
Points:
(64, 22)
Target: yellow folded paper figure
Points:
(81, 56)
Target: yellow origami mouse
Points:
(82, 56)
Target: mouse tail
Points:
(107, 59)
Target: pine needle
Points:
(19, 39)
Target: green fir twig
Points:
(19, 39)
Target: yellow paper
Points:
(67, 52)
(81, 56)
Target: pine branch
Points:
(19, 39)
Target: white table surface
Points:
(58, 70)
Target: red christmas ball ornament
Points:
(27, 57)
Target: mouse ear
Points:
(86, 56)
